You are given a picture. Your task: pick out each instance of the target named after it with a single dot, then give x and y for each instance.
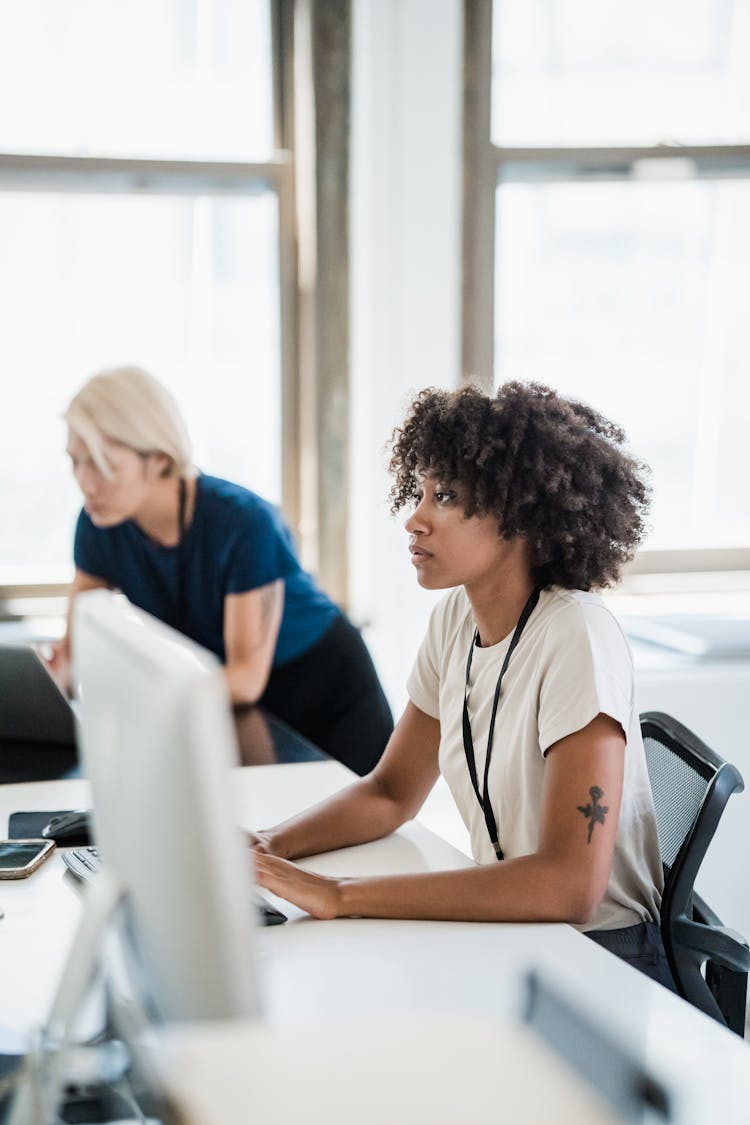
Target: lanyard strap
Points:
(484, 798)
(181, 609)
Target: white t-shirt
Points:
(571, 663)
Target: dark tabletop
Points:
(262, 740)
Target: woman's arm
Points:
(251, 628)
(562, 881)
(57, 656)
(371, 807)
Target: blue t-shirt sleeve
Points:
(261, 551)
(89, 552)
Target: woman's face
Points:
(108, 500)
(449, 548)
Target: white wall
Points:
(405, 244)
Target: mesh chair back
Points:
(691, 785)
(679, 789)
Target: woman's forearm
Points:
(533, 888)
(360, 813)
(528, 889)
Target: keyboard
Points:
(85, 863)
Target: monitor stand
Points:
(55, 1060)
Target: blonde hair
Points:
(129, 406)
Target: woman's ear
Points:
(162, 465)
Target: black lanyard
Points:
(484, 797)
(181, 608)
(173, 596)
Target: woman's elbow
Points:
(581, 900)
(573, 893)
(246, 684)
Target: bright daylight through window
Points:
(625, 284)
(109, 260)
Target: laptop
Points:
(32, 707)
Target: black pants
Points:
(331, 695)
(641, 946)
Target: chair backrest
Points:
(691, 785)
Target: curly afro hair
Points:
(546, 467)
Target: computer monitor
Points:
(172, 904)
(157, 744)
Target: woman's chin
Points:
(100, 517)
(433, 582)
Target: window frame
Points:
(487, 165)
(309, 171)
(131, 176)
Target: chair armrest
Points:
(702, 912)
(718, 944)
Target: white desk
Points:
(342, 980)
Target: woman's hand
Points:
(261, 842)
(57, 660)
(317, 894)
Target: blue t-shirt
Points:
(236, 542)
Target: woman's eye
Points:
(444, 497)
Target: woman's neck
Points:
(159, 517)
(498, 602)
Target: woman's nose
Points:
(416, 522)
(84, 479)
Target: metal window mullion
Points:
(530, 165)
(478, 203)
(284, 125)
(21, 172)
(687, 560)
(289, 351)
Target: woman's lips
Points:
(419, 555)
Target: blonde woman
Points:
(218, 563)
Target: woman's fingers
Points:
(316, 894)
(57, 662)
(257, 840)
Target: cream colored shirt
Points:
(571, 663)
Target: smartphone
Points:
(18, 858)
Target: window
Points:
(140, 222)
(629, 295)
(620, 168)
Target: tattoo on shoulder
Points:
(594, 812)
(269, 596)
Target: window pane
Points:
(633, 297)
(583, 72)
(142, 78)
(187, 287)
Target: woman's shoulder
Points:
(227, 491)
(217, 497)
(579, 616)
(244, 527)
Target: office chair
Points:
(691, 785)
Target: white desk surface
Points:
(413, 1071)
(343, 979)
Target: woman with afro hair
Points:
(521, 506)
